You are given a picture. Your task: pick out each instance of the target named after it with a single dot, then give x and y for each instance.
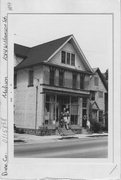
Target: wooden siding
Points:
(68, 48)
(25, 99)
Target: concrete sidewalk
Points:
(31, 139)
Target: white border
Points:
(77, 169)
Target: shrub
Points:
(96, 127)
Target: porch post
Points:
(41, 107)
(88, 102)
(80, 111)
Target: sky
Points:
(92, 32)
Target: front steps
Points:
(65, 132)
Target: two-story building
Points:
(48, 78)
(98, 96)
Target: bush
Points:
(96, 127)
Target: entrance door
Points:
(62, 102)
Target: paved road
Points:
(92, 147)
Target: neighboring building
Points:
(98, 96)
(49, 77)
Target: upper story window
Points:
(30, 80)
(81, 81)
(52, 76)
(92, 95)
(68, 58)
(63, 57)
(84, 104)
(96, 81)
(74, 81)
(100, 94)
(61, 78)
(15, 80)
(73, 59)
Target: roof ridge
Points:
(52, 40)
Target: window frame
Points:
(72, 62)
(92, 94)
(69, 58)
(68, 55)
(96, 81)
(61, 72)
(62, 57)
(101, 116)
(52, 77)
(100, 94)
(82, 81)
(74, 81)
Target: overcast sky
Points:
(92, 32)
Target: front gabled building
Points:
(98, 96)
(48, 78)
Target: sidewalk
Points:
(31, 139)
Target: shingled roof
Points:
(40, 53)
(44, 52)
(21, 51)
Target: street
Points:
(90, 147)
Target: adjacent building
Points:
(53, 76)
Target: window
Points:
(15, 80)
(68, 58)
(100, 116)
(30, 83)
(63, 57)
(84, 102)
(96, 81)
(92, 95)
(74, 110)
(73, 59)
(61, 78)
(74, 81)
(52, 75)
(50, 105)
(100, 94)
(81, 81)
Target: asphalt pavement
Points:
(85, 146)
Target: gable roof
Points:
(94, 105)
(44, 52)
(101, 77)
(20, 50)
